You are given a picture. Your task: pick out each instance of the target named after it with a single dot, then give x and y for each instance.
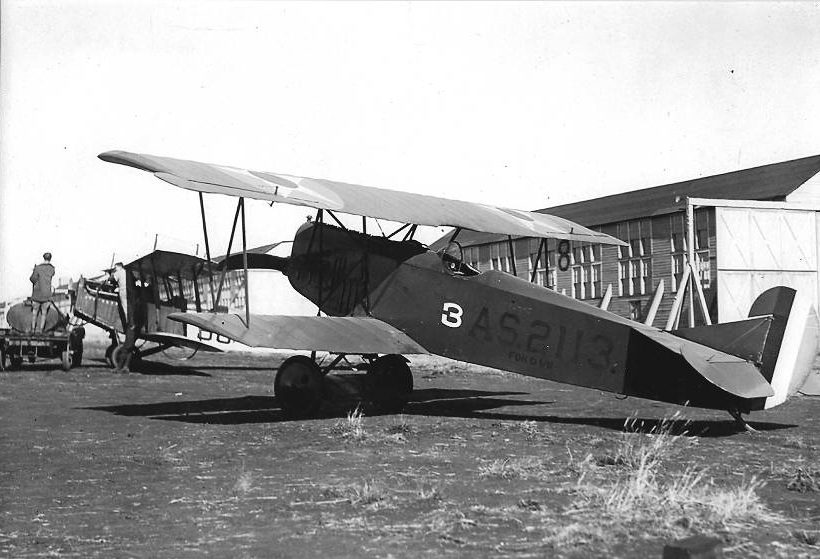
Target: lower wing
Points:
(337, 334)
(177, 340)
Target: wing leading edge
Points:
(337, 334)
(355, 199)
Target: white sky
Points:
(521, 105)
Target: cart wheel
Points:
(109, 351)
(15, 362)
(66, 360)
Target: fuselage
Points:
(491, 318)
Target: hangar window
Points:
(471, 257)
(500, 257)
(586, 271)
(635, 259)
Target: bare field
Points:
(193, 458)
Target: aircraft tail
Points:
(780, 338)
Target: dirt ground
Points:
(193, 458)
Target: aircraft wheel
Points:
(120, 359)
(65, 360)
(109, 351)
(298, 386)
(389, 383)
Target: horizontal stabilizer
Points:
(337, 334)
(743, 338)
(733, 374)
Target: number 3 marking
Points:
(451, 315)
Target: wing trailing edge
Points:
(337, 334)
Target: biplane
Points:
(153, 286)
(385, 296)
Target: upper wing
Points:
(355, 199)
(337, 334)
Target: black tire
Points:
(65, 360)
(299, 387)
(109, 351)
(120, 360)
(389, 383)
(15, 362)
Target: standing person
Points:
(136, 317)
(41, 291)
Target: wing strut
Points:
(228, 253)
(512, 254)
(245, 265)
(538, 260)
(207, 247)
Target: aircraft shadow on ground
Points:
(436, 402)
(149, 367)
(265, 409)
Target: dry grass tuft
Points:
(515, 468)
(430, 493)
(352, 427)
(806, 538)
(244, 483)
(638, 449)
(530, 429)
(366, 493)
(804, 481)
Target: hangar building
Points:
(750, 230)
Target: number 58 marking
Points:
(451, 315)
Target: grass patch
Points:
(804, 481)
(351, 428)
(514, 468)
(366, 493)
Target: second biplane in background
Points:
(144, 293)
(384, 298)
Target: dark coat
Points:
(41, 278)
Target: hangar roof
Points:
(772, 182)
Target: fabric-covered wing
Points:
(338, 334)
(177, 340)
(355, 199)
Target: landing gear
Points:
(742, 422)
(65, 360)
(389, 383)
(299, 386)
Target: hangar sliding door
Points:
(760, 248)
